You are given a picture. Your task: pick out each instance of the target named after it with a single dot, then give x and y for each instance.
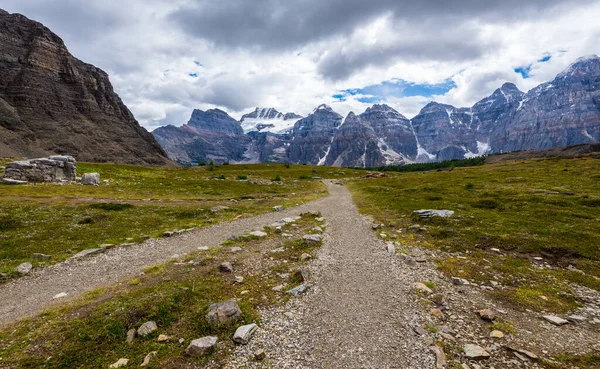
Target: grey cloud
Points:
(422, 43)
(276, 25)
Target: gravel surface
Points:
(35, 292)
(360, 310)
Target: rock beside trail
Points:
(555, 320)
(311, 238)
(218, 208)
(39, 256)
(90, 179)
(430, 213)
(50, 169)
(226, 267)
(223, 313)
(258, 234)
(147, 329)
(244, 333)
(440, 357)
(24, 268)
(278, 208)
(298, 290)
(87, 252)
(201, 346)
(475, 352)
(496, 334)
(260, 355)
(422, 287)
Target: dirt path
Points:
(359, 313)
(34, 293)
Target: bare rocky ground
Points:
(361, 310)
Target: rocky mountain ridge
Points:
(53, 103)
(563, 112)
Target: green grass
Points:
(91, 332)
(60, 220)
(542, 208)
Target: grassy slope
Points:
(526, 209)
(91, 332)
(61, 220)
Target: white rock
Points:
(258, 233)
(429, 213)
(59, 295)
(555, 320)
(90, 179)
(311, 238)
(147, 329)
(475, 352)
(120, 363)
(391, 248)
(278, 208)
(203, 248)
(244, 333)
(24, 268)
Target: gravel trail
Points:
(32, 294)
(360, 311)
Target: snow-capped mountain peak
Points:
(268, 120)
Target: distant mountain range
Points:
(53, 103)
(563, 112)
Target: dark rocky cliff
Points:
(53, 103)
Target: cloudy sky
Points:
(167, 57)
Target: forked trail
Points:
(358, 312)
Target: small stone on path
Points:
(487, 314)
(423, 288)
(24, 268)
(260, 355)
(258, 234)
(298, 290)
(59, 295)
(311, 238)
(496, 334)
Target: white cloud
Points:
(149, 56)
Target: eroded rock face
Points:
(50, 169)
(210, 135)
(53, 103)
(313, 136)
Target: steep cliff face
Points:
(208, 135)
(312, 136)
(269, 120)
(355, 144)
(563, 112)
(396, 139)
(53, 103)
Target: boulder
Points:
(223, 313)
(53, 168)
(90, 179)
(147, 329)
(201, 346)
(244, 333)
(24, 268)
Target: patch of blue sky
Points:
(195, 75)
(394, 88)
(525, 71)
(198, 63)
